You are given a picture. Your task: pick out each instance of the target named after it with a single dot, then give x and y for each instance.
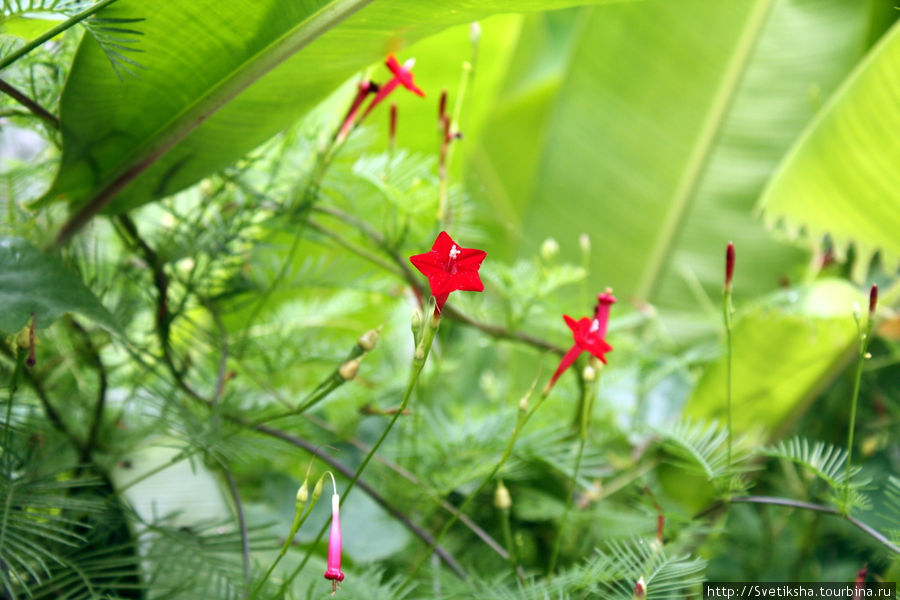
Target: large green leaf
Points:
(841, 177)
(32, 283)
(218, 78)
(653, 127)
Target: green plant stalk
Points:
(508, 540)
(466, 77)
(727, 311)
(421, 355)
(507, 452)
(300, 517)
(586, 412)
(52, 33)
(857, 379)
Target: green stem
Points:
(507, 452)
(727, 311)
(508, 540)
(584, 422)
(300, 517)
(419, 359)
(857, 379)
(49, 35)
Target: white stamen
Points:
(595, 325)
(409, 64)
(454, 252)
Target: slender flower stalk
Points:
(864, 339)
(727, 313)
(423, 347)
(301, 514)
(503, 503)
(587, 389)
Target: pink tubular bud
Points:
(333, 570)
(860, 586)
(729, 265)
(873, 300)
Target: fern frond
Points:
(703, 448)
(824, 460)
(618, 567)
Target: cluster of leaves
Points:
(188, 344)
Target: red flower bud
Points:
(392, 128)
(729, 265)
(442, 106)
(873, 300)
(30, 360)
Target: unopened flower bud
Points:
(348, 370)
(640, 590)
(474, 32)
(416, 321)
(317, 491)
(589, 374)
(523, 404)
(368, 340)
(584, 240)
(392, 125)
(729, 265)
(549, 249)
(303, 492)
(502, 499)
(442, 109)
(873, 300)
(420, 352)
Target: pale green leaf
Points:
(841, 177)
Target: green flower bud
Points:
(348, 370)
(368, 340)
(502, 499)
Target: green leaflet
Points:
(841, 177)
(36, 283)
(218, 78)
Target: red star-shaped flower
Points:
(402, 76)
(588, 335)
(449, 267)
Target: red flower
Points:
(588, 335)
(449, 267)
(402, 76)
(333, 570)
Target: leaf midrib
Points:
(218, 95)
(702, 150)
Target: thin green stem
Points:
(507, 452)
(52, 33)
(727, 312)
(419, 359)
(508, 540)
(300, 517)
(864, 338)
(584, 423)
